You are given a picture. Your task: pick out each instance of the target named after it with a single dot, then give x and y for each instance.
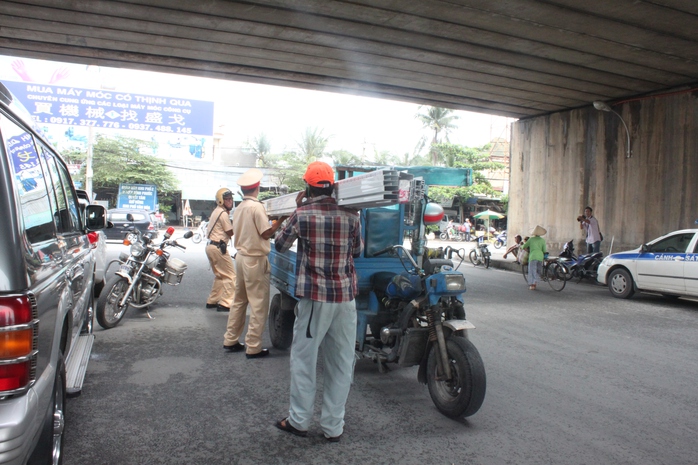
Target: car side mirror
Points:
(95, 217)
(110, 224)
(644, 248)
(129, 217)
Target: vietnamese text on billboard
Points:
(138, 197)
(105, 109)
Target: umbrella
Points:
(488, 215)
(186, 211)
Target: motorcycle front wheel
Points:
(109, 314)
(474, 258)
(443, 236)
(196, 238)
(464, 393)
(498, 244)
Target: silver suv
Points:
(47, 269)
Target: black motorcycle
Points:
(582, 266)
(142, 272)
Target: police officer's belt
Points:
(217, 243)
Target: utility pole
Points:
(88, 163)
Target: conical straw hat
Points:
(538, 231)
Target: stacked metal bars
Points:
(417, 192)
(373, 189)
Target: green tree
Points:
(287, 169)
(458, 156)
(121, 160)
(312, 145)
(344, 157)
(440, 121)
(260, 146)
(384, 157)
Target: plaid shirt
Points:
(329, 238)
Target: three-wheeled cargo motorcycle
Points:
(410, 308)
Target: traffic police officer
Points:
(252, 232)
(219, 232)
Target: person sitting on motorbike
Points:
(464, 231)
(514, 249)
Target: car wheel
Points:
(620, 283)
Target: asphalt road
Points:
(575, 377)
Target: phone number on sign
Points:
(112, 124)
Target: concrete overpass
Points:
(541, 61)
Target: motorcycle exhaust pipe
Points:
(388, 333)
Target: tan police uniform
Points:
(223, 289)
(253, 270)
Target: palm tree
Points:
(344, 157)
(261, 146)
(440, 120)
(312, 145)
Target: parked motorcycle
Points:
(200, 232)
(582, 266)
(451, 235)
(480, 255)
(501, 240)
(139, 281)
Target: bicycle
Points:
(554, 273)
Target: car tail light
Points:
(18, 340)
(150, 226)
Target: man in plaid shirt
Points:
(329, 238)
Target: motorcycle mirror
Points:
(188, 234)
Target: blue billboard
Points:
(105, 109)
(138, 197)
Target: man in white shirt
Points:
(591, 225)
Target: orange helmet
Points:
(319, 174)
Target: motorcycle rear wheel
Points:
(196, 238)
(524, 270)
(498, 244)
(486, 260)
(109, 314)
(464, 394)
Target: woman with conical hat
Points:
(536, 253)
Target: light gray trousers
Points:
(332, 327)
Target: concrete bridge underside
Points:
(543, 62)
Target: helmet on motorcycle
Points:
(223, 194)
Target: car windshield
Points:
(678, 243)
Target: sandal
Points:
(285, 425)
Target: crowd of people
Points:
(329, 238)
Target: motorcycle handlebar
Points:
(381, 252)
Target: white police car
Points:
(668, 265)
